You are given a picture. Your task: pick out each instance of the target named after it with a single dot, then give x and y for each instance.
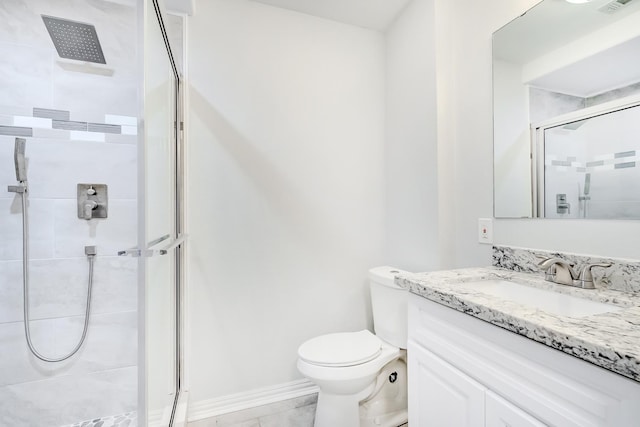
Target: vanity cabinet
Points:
(465, 372)
(441, 394)
(444, 396)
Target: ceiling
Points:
(372, 14)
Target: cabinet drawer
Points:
(441, 395)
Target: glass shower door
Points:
(161, 233)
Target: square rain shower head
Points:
(74, 40)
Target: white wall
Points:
(411, 156)
(286, 177)
(466, 114)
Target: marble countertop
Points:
(609, 340)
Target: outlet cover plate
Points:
(485, 230)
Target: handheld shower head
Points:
(20, 161)
(587, 183)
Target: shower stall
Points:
(91, 229)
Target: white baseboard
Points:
(237, 402)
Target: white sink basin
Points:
(543, 299)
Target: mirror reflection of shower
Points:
(590, 158)
(22, 189)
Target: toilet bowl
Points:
(346, 367)
(362, 376)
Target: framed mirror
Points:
(566, 111)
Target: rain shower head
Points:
(74, 40)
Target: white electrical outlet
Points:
(485, 230)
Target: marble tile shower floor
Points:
(124, 420)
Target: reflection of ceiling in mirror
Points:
(613, 68)
(554, 23)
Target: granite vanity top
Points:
(609, 340)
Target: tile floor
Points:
(298, 412)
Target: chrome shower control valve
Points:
(92, 201)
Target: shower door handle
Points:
(149, 251)
(171, 246)
(137, 252)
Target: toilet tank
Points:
(389, 306)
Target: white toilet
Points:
(363, 377)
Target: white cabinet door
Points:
(441, 395)
(500, 413)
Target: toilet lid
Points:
(341, 349)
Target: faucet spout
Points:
(564, 272)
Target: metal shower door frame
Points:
(179, 213)
(177, 246)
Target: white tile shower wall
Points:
(67, 398)
(101, 379)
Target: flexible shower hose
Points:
(25, 290)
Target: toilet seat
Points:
(341, 349)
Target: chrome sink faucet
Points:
(560, 271)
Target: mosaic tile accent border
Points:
(18, 122)
(130, 419)
(16, 131)
(623, 275)
(47, 113)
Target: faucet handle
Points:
(586, 277)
